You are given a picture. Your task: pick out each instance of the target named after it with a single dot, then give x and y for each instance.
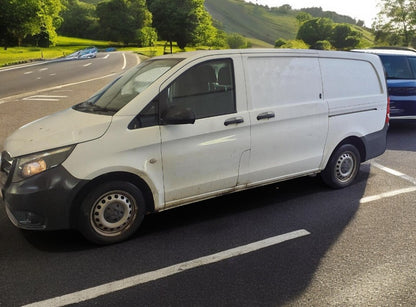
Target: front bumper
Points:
(43, 201)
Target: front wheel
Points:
(342, 167)
(111, 212)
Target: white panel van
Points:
(181, 128)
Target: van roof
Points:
(304, 52)
(388, 51)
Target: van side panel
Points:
(122, 150)
(356, 96)
(289, 118)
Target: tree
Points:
(120, 19)
(314, 30)
(22, 18)
(344, 37)
(205, 33)
(49, 19)
(396, 18)
(178, 20)
(146, 37)
(303, 16)
(79, 19)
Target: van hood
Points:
(60, 129)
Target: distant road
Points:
(31, 91)
(24, 79)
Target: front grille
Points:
(6, 162)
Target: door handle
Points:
(265, 115)
(234, 120)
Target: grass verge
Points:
(68, 45)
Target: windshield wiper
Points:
(89, 107)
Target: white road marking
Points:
(394, 172)
(44, 98)
(28, 73)
(106, 56)
(391, 193)
(86, 65)
(18, 96)
(107, 288)
(43, 69)
(386, 195)
(125, 62)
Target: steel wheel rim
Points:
(345, 167)
(113, 213)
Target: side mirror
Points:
(177, 115)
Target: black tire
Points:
(111, 212)
(342, 167)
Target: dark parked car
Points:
(400, 67)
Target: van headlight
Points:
(30, 165)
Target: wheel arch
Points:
(352, 140)
(114, 176)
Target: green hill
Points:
(252, 21)
(268, 24)
(263, 25)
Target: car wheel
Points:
(342, 167)
(111, 212)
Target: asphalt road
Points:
(295, 243)
(47, 74)
(31, 91)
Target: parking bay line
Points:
(94, 292)
(391, 193)
(394, 172)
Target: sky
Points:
(359, 9)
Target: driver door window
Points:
(207, 89)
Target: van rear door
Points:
(289, 118)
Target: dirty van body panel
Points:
(289, 118)
(356, 96)
(203, 160)
(60, 129)
(135, 151)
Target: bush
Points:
(322, 45)
(237, 41)
(146, 37)
(279, 43)
(296, 44)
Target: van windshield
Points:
(122, 90)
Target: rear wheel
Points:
(342, 167)
(111, 212)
